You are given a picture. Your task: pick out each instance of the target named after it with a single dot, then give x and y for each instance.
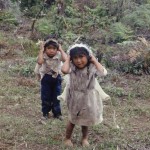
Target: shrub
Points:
(138, 18)
(7, 18)
(45, 27)
(120, 32)
(24, 68)
(31, 49)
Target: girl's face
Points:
(51, 51)
(80, 61)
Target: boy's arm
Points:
(63, 54)
(98, 66)
(66, 66)
(40, 59)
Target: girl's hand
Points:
(63, 54)
(66, 66)
(93, 59)
(68, 58)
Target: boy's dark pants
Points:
(50, 89)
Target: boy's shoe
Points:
(60, 117)
(49, 115)
(45, 117)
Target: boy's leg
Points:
(69, 131)
(46, 95)
(84, 141)
(56, 109)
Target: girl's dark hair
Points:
(51, 42)
(78, 51)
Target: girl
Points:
(83, 100)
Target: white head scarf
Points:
(80, 45)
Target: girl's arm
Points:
(98, 66)
(66, 66)
(40, 59)
(63, 54)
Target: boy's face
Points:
(51, 51)
(80, 61)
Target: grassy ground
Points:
(126, 124)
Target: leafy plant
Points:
(24, 4)
(138, 18)
(7, 18)
(30, 48)
(120, 32)
(25, 68)
(117, 91)
(45, 26)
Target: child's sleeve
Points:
(37, 68)
(99, 73)
(59, 56)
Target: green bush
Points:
(51, 23)
(120, 32)
(116, 91)
(25, 68)
(120, 61)
(45, 27)
(138, 18)
(7, 18)
(27, 4)
(30, 48)
(32, 11)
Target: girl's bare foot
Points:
(68, 143)
(85, 143)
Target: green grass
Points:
(20, 109)
(20, 114)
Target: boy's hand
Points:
(42, 46)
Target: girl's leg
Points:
(84, 141)
(69, 131)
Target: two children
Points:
(83, 93)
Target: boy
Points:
(49, 66)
